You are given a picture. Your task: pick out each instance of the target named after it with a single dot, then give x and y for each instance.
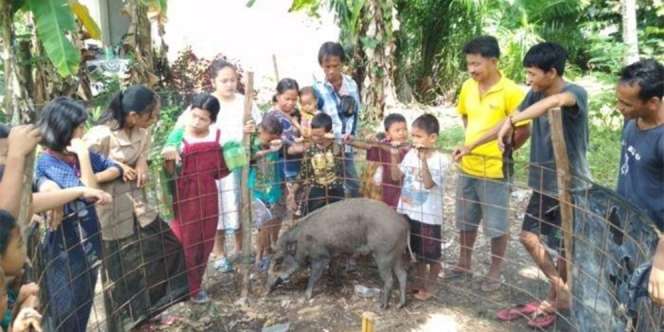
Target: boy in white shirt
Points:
(421, 200)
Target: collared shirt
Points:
(117, 219)
(484, 112)
(331, 99)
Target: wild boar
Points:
(352, 226)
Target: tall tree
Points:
(629, 31)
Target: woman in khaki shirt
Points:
(144, 263)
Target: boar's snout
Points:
(273, 282)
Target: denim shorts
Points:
(484, 199)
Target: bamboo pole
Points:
(563, 177)
(245, 211)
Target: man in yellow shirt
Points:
(485, 101)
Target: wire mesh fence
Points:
(115, 267)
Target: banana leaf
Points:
(54, 19)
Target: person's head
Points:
(223, 75)
(331, 57)
(640, 89)
(62, 120)
(270, 129)
(12, 252)
(204, 110)
(135, 106)
(321, 124)
(544, 64)
(287, 94)
(308, 100)
(482, 54)
(424, 131)
(396, 129)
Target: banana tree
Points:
(367, 33)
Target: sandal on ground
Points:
(517, 311)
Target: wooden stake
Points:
(276, 68)
(368, 321)
(563, 177)
(245, 204)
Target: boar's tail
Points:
(410, 250)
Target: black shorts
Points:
(425, 241)
(543, 218)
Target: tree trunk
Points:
(8, 58)
(630, 35)
(378, 45)
(16, 103)
(138, 43)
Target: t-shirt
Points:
(417, 202)
(264, 175)
(641, 176)
(391, 189)
(542, 173)
(485, 112)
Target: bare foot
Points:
(423, 295)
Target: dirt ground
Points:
(458, 305)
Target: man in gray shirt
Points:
(545, 65)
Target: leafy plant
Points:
(54, 20)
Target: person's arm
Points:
(142, 168)
(299, 147)
(522, 133)
(564, 99)
(21, 141)
(395, 170)
(107, 175)
(88, 177)
(656, 282)
(427, 179)
(44, 201)
(533, 111)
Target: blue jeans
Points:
(351, 182)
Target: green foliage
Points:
(604, 154)
(430, 39)
(451, 138)
(54, 20)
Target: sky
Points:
(251, 35)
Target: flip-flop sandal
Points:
(456, 274)
(542, 321)
(518, 311)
